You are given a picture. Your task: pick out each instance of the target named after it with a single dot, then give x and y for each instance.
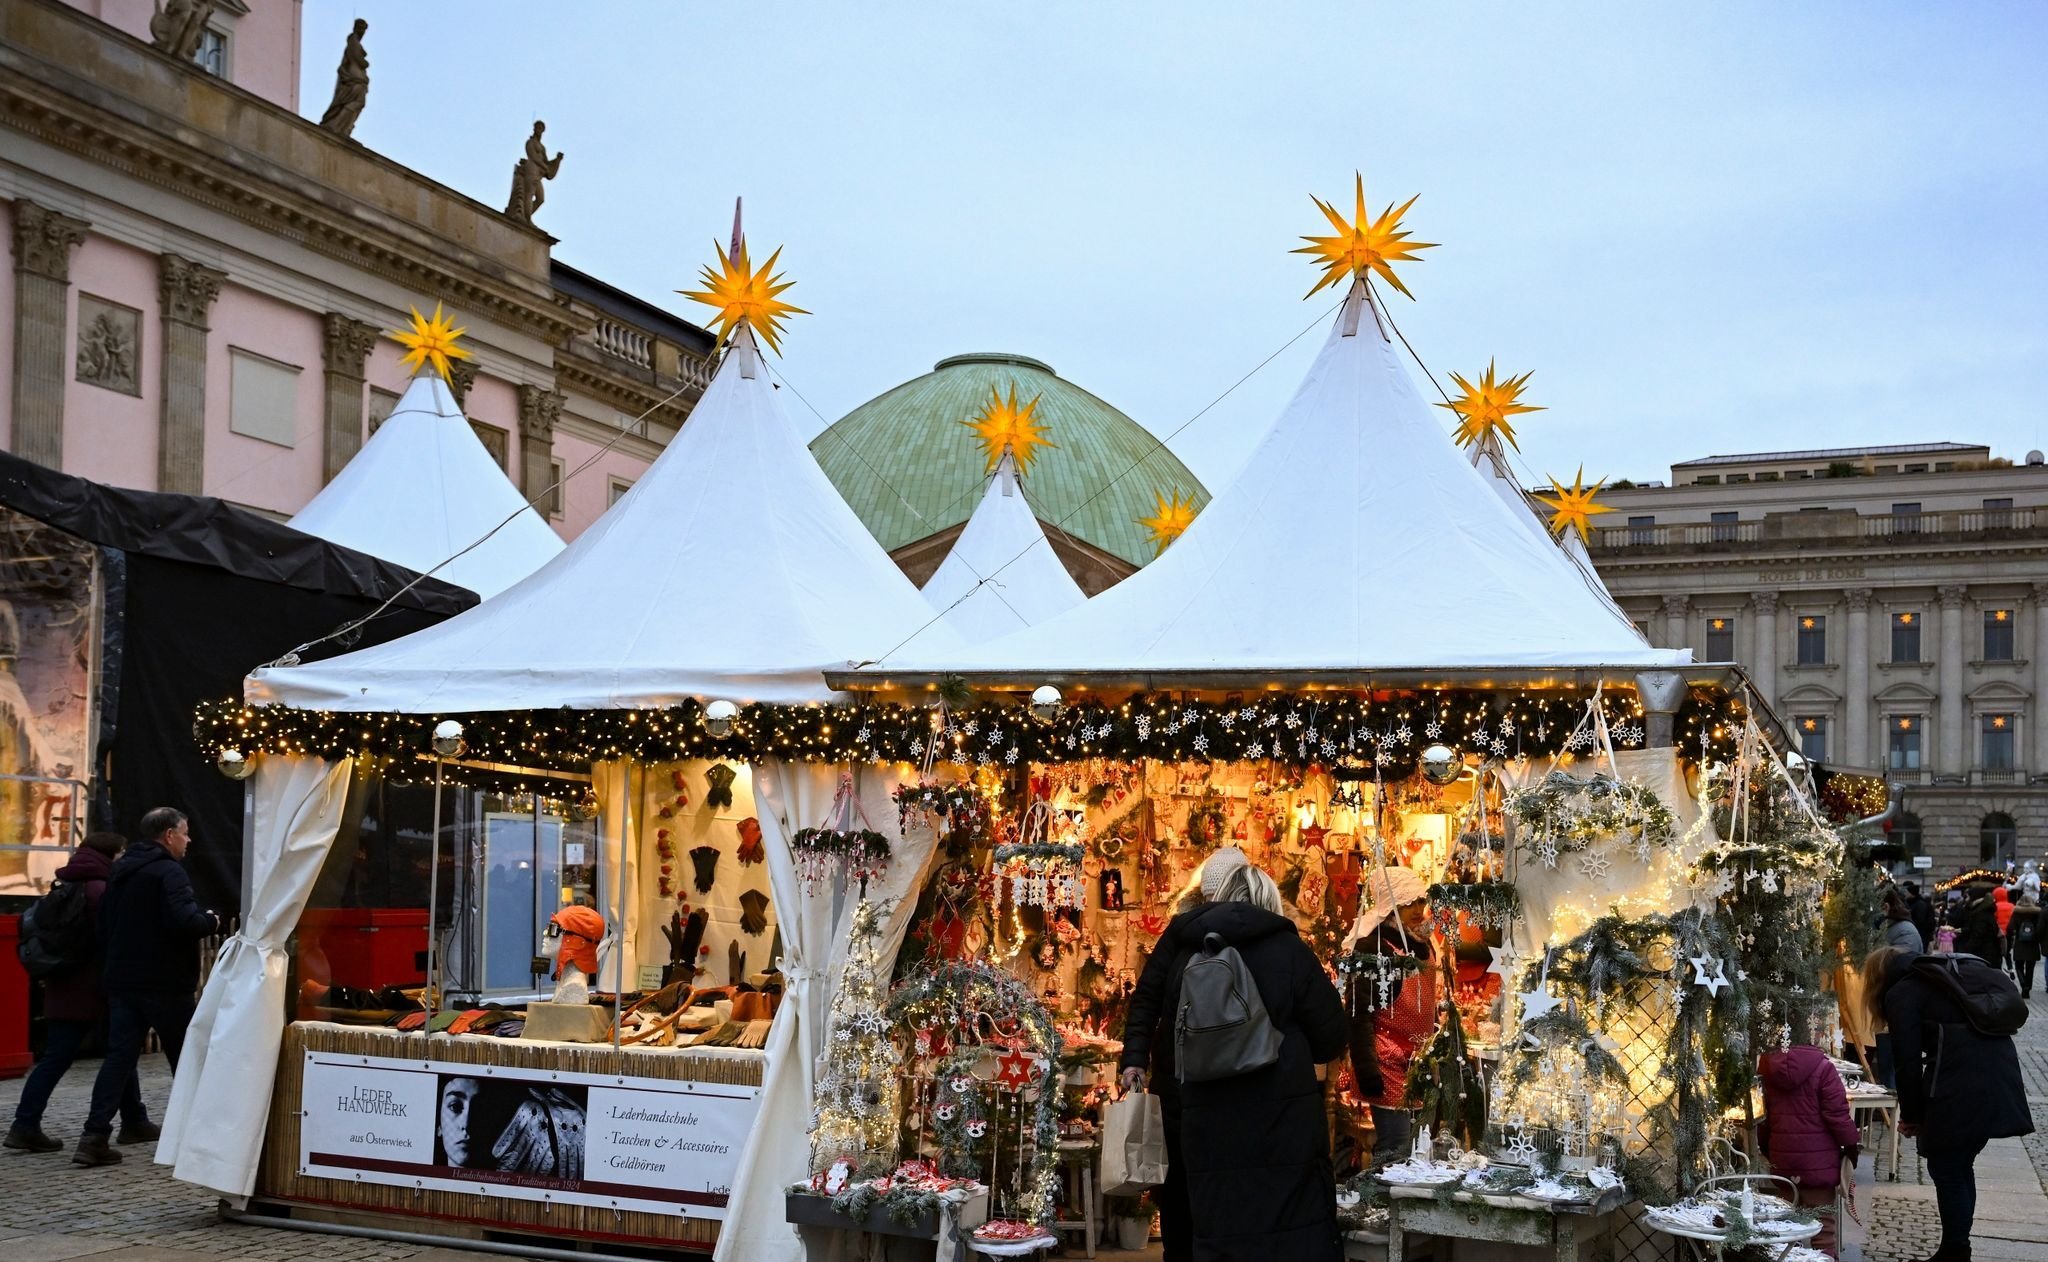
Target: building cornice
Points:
(628, 394)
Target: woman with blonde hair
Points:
(1248, 1157)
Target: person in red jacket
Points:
(74, 1004)
(1810, 1129)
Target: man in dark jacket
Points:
(73, 1005)
(1922, 908)
(151, 925)
(1958, 1089)
(1977, 934)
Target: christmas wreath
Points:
(862, 852)
(1488, 904)
(1561, 813)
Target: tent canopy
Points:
(1492, 464)
(1354, 540)
(731, 570)
(423, 489)
(1004, 544)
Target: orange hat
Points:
(582, 930)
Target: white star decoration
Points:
(1710, 973)
(1521, 1150)
(1538, 1003)
(1594, 867)
(1505, 960)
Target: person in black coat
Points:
(1250, 1154)
(1923, 912)
(1958, 1089)
(1977, 930)
(150, 924)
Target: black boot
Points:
(30, 1140)
(93, 1150)
(139, 1133)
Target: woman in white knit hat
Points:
(1248, 1161)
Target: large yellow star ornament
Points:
(1573, 507)
(1003, 425)
(429, 342)
(1485, 408)
(746, 296)
(1366, 245)
(1170, 520)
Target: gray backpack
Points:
(1221, 1029)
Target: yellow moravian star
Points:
(1485, 408)
(1004, 426)
(743, 295)
(1367, 245)
(1573, 507)
(1170, 520)
(429, 342)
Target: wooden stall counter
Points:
(506, 1140)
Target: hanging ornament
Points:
(1709, 972)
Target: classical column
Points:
(1953, 743)
(187, 291)
(1677, 634)
(345, 350)
(1856, 668)
(539, 409)
(461, 376)
(1763, 654)
(43, 241)
(2034, 728)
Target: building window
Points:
(1905, 637)
(1640, 531)
(1642, 628)
(1998, 513)
(1813, 640)
(212, 54)
(1998, 840)
(1813, 738)
(1707, 479)
(496, 440)
(1998, 742)
(1738, 477)
(1998, 635)
(263, 398)
(1768, 475)
(1904, 833)
(554, 495)
(1904, 744)
(1944, 466)
(1720, 639)
(1913, 468)
(1906, 518)
(618, 491)
(1723, 528)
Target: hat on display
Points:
(582, 929)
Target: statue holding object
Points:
(530, 176)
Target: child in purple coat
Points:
(1810, 1129)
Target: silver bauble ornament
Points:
(234, 765)
(448, 738)
(1440, 765)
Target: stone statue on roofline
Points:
(351, 85)
(176, 26)
(530, 176)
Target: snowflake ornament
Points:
(1594, 867)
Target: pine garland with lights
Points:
(1488, 904)
(1562, 813)
(854, 1108)
(1292, 729)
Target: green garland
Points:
(861, 844)
(1291, 729)
(1041, 851)
(902, 1204)
(1562, 813)
(1489, 904)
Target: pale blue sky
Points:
(1706, 228)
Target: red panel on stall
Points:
(363, 947)
(14, 1055)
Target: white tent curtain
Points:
(618, 868)
(220, 1098)
(792, 796)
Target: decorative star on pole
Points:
(430, 342)
(1004, 425)
(1573, 506)
(1363, 246)
(1170, 519)
(745, 295)
(1484, 408)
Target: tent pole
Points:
(434, 902)
(619, 905)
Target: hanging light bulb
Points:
(448, 740)
(234, 765)
(718, 717)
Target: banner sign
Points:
(650, 1144)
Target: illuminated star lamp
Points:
(745, 295)
(1484, 408)
(1170, 519)
(1005, 426)
(1572, 507)
(1363, 246)
(430, 343)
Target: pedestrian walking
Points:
(2023, 939)
(150, 923)
(1808, 1131)
(1977, 934)
(1922, 908)
(73, 1006)
(1898, 928)
(1959, 1086)
(1253, 1148)
(2001, 911)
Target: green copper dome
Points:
(909, 444)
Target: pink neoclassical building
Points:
(202, 273)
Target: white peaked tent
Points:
(423, 489)
(732, 569)
(1004, 544)
(1355, 538)
(1492, 463)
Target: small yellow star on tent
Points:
(744, 295)
(1174, 514)
(429, 342)
(1366, 245)
(1003, 425)
(1572, 506)
(1484, 408)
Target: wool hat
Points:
(1217, 870)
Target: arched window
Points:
(1998, 840)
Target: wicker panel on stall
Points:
(471, 1215)
(1641, 1026)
